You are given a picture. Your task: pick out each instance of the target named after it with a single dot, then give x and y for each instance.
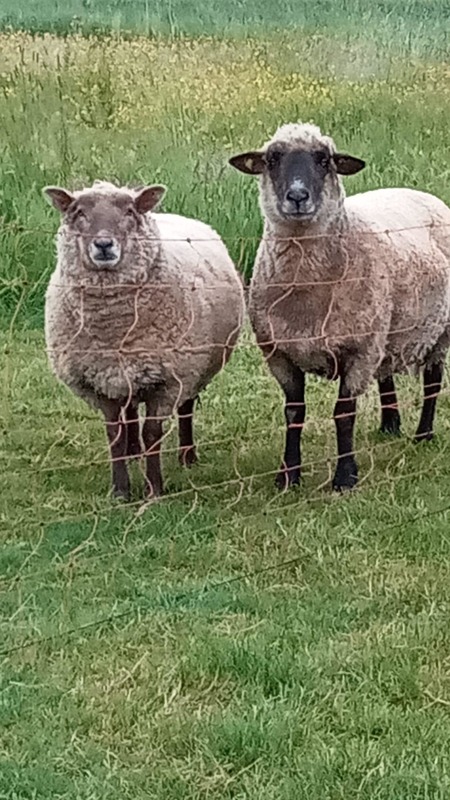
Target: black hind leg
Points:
(346, 475)
(432, 380)
(390, 416)
(187, 454)
(134, 448)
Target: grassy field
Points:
(226, 643)
(174, 110)
(415, 24)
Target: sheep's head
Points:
(106, 221)
(299, 169)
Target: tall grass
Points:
(416, 25)
(78, 108)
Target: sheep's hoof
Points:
(287, 478)
(153, 492)
(391, 425)
(346, 476)
(121, 495)
(188, 456)
(425, 436)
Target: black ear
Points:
(348, 165)
(252, 163)
(148, 198)
(59, 198)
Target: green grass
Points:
(174, 111)
(422, 24)
(226, 643)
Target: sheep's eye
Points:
(323, 160)
(274, 157)
(130, 212)
(80, 214)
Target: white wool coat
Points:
(371, 290)
(162, 329)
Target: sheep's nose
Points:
(104, 245)
(297, 196)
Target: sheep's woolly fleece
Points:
(106, 188)
(363, 290)
(161, 338)
(304, 134)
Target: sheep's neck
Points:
(313, 254)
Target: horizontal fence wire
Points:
(14, 227)
(271, 507)
(309, 423)
(229, 482)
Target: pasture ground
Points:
(227, 642)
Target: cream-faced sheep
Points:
(356, 289)
(142, 308)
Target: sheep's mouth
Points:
(296, 214)
(101, 259)
(104, 260)
(107, 264)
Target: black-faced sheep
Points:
(142, 308)
(355, 288)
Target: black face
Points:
(298, 178)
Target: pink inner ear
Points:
(60, 199)
(148, 199)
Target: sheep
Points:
(141, 308)
(354, 289)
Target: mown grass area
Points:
(227, 642)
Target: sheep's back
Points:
(213, 288)
(414, 227)
(379, 290)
